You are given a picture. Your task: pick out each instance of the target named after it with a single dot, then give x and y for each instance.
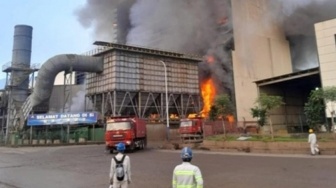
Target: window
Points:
(114, 126)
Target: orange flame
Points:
(208, 91)
(173, 116)
(210, 59)
(230, 118)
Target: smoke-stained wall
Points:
(273, 38)
(261, 51)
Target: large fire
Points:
(208, 91)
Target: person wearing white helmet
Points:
(186, 174)
(120, 171)
(313, 142)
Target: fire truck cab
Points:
(129, 130)
(191, 127)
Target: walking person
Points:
(186, 174)
(312, 140)
(120, 171)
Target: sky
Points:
(55, 28)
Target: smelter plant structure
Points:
(134, 82)
(19, 74)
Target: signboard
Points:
(62, 118)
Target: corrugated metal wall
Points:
(133, 83)
(129, 71)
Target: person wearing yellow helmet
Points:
(312, 140)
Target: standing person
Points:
(120, 171)
(313, 142)
(186, 174)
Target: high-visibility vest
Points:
(187, 175)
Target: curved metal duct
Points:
(66, 62)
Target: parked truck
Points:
(129, 130)
(191, 129)
(194, 128)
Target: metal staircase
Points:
(19, 116)
(18, 111)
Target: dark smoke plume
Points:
(203, 27)
(297, 18)
(189, 26)
(108, 18)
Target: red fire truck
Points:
(129, 130)
(191, 128)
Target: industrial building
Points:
(262, 62)
(325, 33)
(134, 82)
(122, 79)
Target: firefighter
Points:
(115, 180)
(186, 174)
(313, 142)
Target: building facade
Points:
(134, 82)
(326, 46)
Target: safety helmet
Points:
(121, 147)
(311, 130)
(186, 153)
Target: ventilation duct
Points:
(66, 62)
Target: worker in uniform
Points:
(114, 182)
(313, 142)
(186, 174)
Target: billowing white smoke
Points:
(77, 103)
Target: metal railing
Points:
(6, 65)
(34, 66)
(96, 51)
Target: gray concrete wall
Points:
(261, 51)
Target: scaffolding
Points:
(8, 105)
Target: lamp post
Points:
(167, 101)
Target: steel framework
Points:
(133, 82)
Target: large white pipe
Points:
(65, 62)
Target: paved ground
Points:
(88, 166)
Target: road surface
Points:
(88, 166)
